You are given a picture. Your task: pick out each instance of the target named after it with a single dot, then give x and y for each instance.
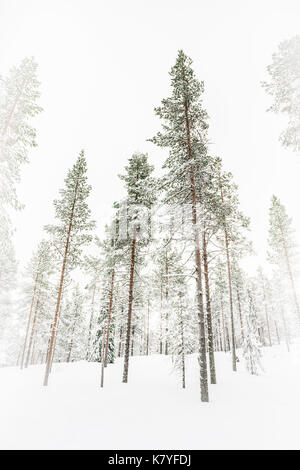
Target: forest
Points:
(167, 277)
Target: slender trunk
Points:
(224, 327)
(286, 333)
(277, 332)
(120, 342)
(202, 341)
(33, 349)
(29, 317)
(167, 306)
(266, 310)
(211, 356)
(132, 340)
(91, 324)
(230, 304)
(111, 293)
(147, 338)
(183, 353)
(102, 355)
(240, 312)
(55, 339)
(130, 301)
(228, 339)
(220, 335)
(32, 332)
(48, 346)
(71, 342)
(19, 356)
(61, 282)
(160, 321)
(230, 290)
(262, 336)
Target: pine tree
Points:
(183, 335)
(72, 318)
(184, 132)
(140, 195)
(71, 234)
(284, 87)
(282, 245)
(262, 279)
(39, 269)
(238, 280)
(20, 92)
(93, 267)
(252, 347)
(232, 222)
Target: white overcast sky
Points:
(103, 66)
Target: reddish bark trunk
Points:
(53, 331)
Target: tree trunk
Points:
(230, 304)
(211, 356)
(19, 356)
(61, 282)
(277, 332)
(32, 332)
(71, 342)
(266, 310)
(147, 337)
(240, 312)
(183, 353)
(167, 306)
(130, 301)
(201, 320)
(91, 324)
(102, 354)
(111, 293)
(132, 340)
(120, 342)
(33, 349)
(29, 317)
(224, 327)
(228, 339)
(286, 333)
(220, 336)
(160, 320)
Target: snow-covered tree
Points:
(184, 133)
(252, 346)
(140, 195)
(282, 247)
(38, 271)
(71, 233)
(20, 92)
(284, 87)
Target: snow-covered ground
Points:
(152, 411)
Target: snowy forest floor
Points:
(152, 411)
